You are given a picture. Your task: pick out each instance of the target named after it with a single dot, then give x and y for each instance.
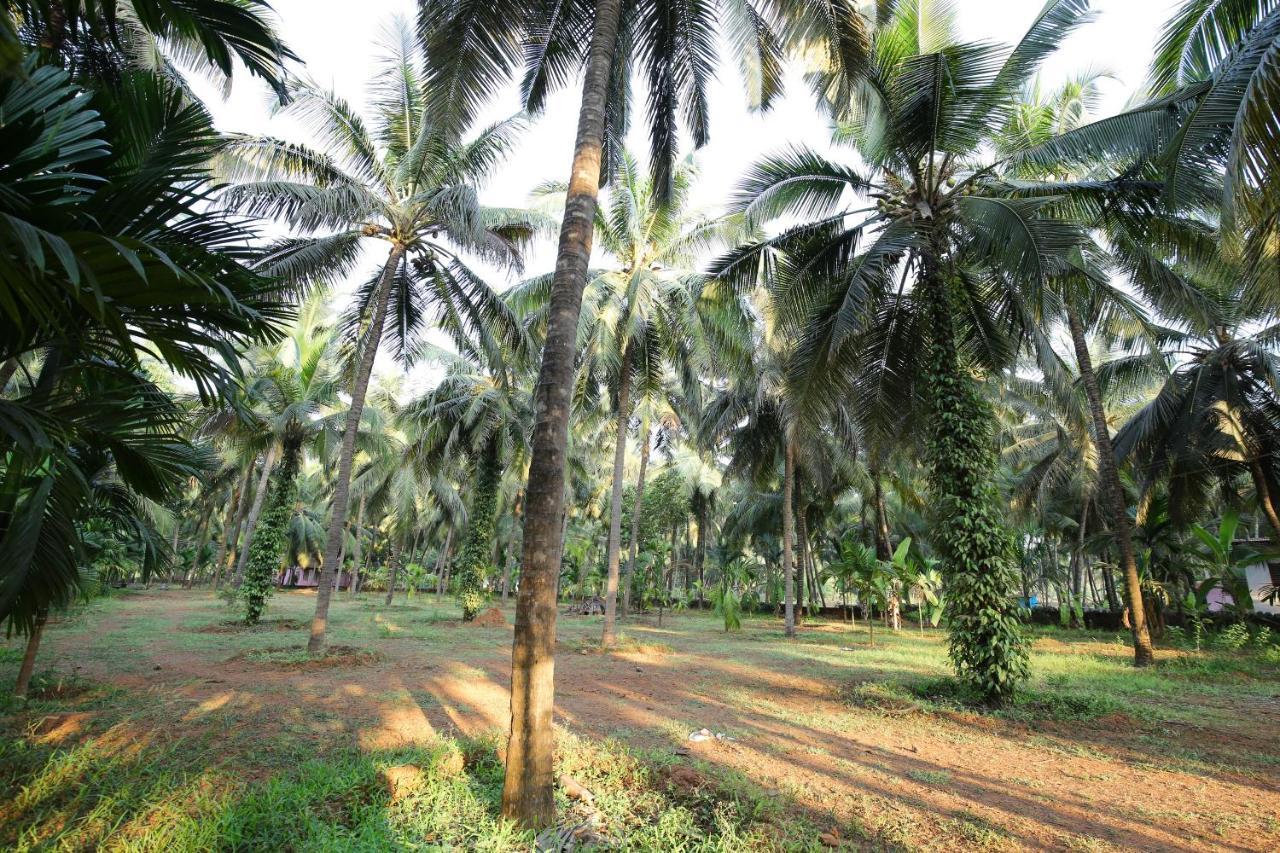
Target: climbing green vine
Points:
(986, 644)
(269, 540)
(470, 568)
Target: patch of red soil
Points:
(54, 728)
(491, 618)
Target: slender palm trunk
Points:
(231, 525)
(614, 549)
(527, 792)
(394, 560)
(804, 597)
(442, 565)
(884, 545)
(1262, 488)
(234, 543)
(788, 536)
(1113, 495)
(201, 533)
(636, 509)
(29, 657)
(342, 486)
(700, 544)
(357, 555)
(251, 523)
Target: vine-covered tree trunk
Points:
(475, 549)
(528, 795)
(342, 484)
(986, 644)
(614, 548)
(255, 511)
(637, 510)
(29, 656)
(788, 537)
(269, 542)
(1113, 495)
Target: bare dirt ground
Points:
(1182, 763)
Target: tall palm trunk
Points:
(479, 542)
(442, 565)
(357, 557)
(231, 532)
(394, 565)
(804, 594)
(700, 546)
(614, 550)
(986, 646)
(342, 486)
(1113, 495)
(884, 545)
(201, 533)
(251, 523)
(527, 791)
(788, 537)
(636, 508)
(29, 657)
(1262, 488)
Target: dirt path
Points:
(959, 781)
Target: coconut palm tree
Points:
(472, 48)
(294, 392)
(483, 415)
(646, 313)
(399, 182)
(922, 119)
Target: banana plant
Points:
(1227, 563)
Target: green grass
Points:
(152, 769)
(154, 797)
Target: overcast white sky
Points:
(338, 48)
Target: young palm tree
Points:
(402, 183)
(294, 391)
(483, 415)
(922, 118)
(472, 48)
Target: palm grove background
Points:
(987, 347)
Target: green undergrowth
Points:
(935, 695)
(113, 787)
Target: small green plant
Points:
(1233, 637)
